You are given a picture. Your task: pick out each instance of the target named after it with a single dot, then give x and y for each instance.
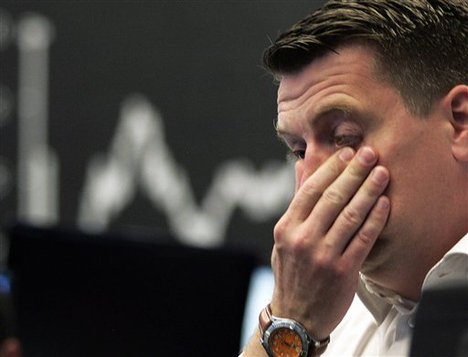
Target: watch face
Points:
(285, 342)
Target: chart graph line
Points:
(140, 158)
(37, 163)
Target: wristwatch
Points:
(287, 337)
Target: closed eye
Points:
(341, 141)
(294, 155)
(296, 146)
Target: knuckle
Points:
(324, 261)
(294, 241)
(299, 245)
(366, 237)
(327, 265)
(356, 171)
(280, 228)
(334, 196)
(341, 271)
(352, 216)
(311, 189)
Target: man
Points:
(373, 103)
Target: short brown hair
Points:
(421, 46)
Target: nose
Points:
(314, 157)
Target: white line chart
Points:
(139, 158)
(37, 162)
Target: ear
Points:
(457, 103)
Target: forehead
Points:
(351, 65)
(344, 82)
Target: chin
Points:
(377, 257)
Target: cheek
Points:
(395, 160)
(412, 164)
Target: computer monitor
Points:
(83, 294)
(441, 323)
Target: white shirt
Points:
(380, 323)
(376, 325)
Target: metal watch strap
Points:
(265, 319)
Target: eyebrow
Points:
(321, 114)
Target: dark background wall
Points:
(148, 114)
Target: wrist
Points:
(287, 337)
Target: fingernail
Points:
(346, 154)
(379, 175)
(366, 156)
(383, 203)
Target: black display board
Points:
(150, 114)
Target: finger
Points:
(362, 243)
(357, 210)
(310, 192)
(338, 194)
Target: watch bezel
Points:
(279, 323)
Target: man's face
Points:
(338, 101)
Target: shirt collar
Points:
(452, 267)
